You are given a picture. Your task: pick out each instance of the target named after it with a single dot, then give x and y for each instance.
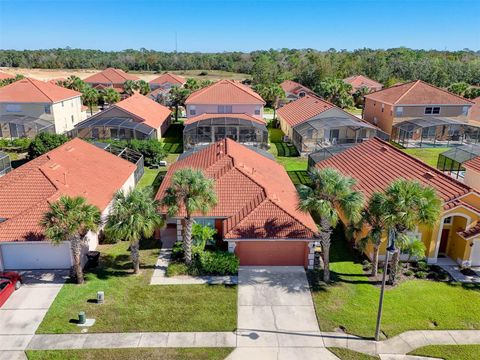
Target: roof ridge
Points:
(446, 91)
(43, 92)
(415, 83)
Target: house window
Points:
(63, 104)
(432, 110)
(448, 220)
(193, 110)
(13, 108)
(47, 109)
(72, 119)
(383, 107)
(399, 111)
(206, 222)
(465, 110)
(257, 110)
(224, 109)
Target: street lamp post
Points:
(390, 250)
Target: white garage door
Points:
(35, 256)
(476, 253)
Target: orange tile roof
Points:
(303, 109)
(221, 116)
(470, 233)
(255, 195)
(151, 112)
(417, 93)
(76, 168)
(293, 87)
(225, 92)
(473, 164)
(375, 164)
(169, 78)
(474, 114)
(4, 76)
(110, 76)
(358, 81)
(35, 91)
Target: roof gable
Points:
(225, 92)
(358, 81)
(110, 76)
(35, 91)
(303, 109)
(168, 78)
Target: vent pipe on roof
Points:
(429, 175)
(384, 148)
(65, 178)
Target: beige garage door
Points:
(272, 253)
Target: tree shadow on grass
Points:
(286, 150)
(299, 177)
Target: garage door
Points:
(35, 256)
(265, 253)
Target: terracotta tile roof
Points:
(168, 78)
(470, 233)
(221, 116)
(255, 195)
(303, 109)
(473, 164)
(474, 114)
(225, 92)
(151, 112)
(35, 91)
(110, 76)
(358, 81)
(293, 87)
(417, 93)
(4, 76)
(55, 81)
(75, 168)
(375, 164)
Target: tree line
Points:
(307, 66)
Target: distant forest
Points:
(441, 68)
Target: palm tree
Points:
(90, 97)
(133, 217)
(407, 204)
(70, 219)
(373, 216)
(143, 87)
(336, 91)
(130, 86)
(330, 193)
(272, 94)
(359, 95)
(178, 96)
(74, 83)
(189, 191)
(110, 96)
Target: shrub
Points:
(44, 142)
(203, 73)
(408, 273)
(423, 266)
(177, 251)
(421, 274)
(177, 268)
(217, 263)
(151, 149)
(17, 145)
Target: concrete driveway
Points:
(23, 312)
(276, 316)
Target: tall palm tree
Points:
(407, 204)
(272, 94)
(330, 193)
(134, 216)
(373, 216)
(336, 91)
(130, 86)
(110, 96)
(90, 97)
(70, 219)
(143, 87)
(74, 83)
(192, 192)
(178, 96)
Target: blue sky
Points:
(239, 24)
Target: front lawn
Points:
(449, 352)
(132, 305)
(351, 302)
(427, 155)
(347, 354)
(127, 354)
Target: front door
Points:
(444, 241)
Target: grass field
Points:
(347, 354)
(354, 111)
(127, 354)
(450, 352)
(133, 305)
(351, 301)
(427, 155)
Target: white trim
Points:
(267, 240)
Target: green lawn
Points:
(173, 139)
(154, 177)
(127, 354)
(427, 155)
(133, 305)
(354, 111)
(352, 301)
(450, 352)
(347, 354)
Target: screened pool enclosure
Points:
(433, 131)
(114, 128)
(19, 126)
(210, 130)
(5, 164)
(451, 161)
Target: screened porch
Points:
(99, 128)
(20, 126)
(451, 161)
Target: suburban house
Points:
(293, 90)
(5, 76)
(256, 216)
(136, 117)
(472, 173)
(76, 168)
(416, 114)
(474, 114)
(29, 106)
(312, 123)
(110, 77)
(361, 81)
(456, 236)
(225, 109)
(167, 81)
